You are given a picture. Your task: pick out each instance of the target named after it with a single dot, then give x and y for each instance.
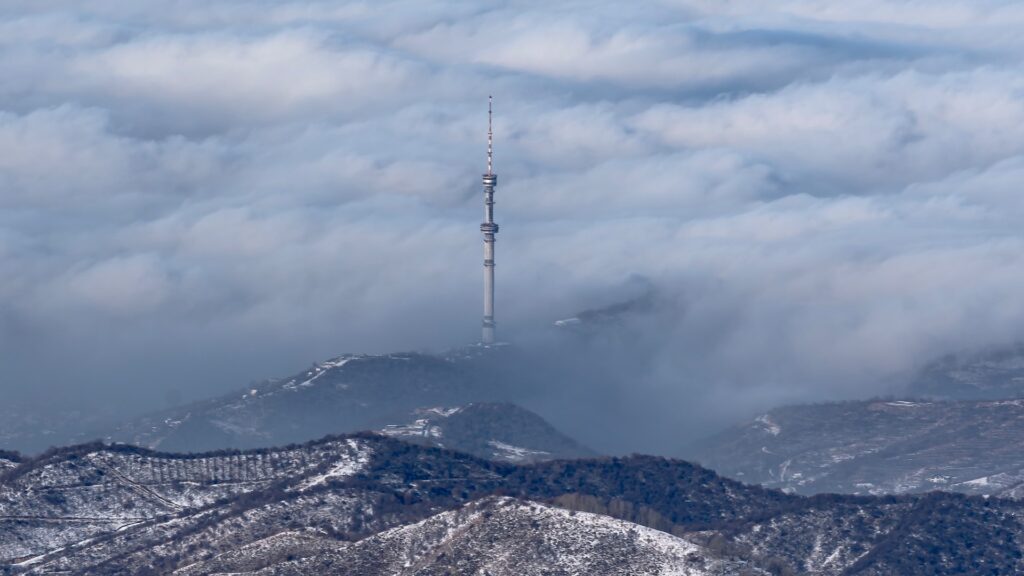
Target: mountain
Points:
(611, 316)
(347, 393)
(988, 375)
(437, 400)
(877, 447)
(370, 504)
(497, 431)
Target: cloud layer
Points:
(825, 196)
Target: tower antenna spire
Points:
(490, 136)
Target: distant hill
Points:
(595, 320)
(496, 431)
(35, 428)
(877, 447)
(989, 375)
(369, 504)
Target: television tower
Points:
(489, 228)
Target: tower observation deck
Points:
(489, 229)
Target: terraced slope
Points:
(69, 496)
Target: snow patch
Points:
(172, 423)
(1016, 403)
(318, 371)
(514, 453)
(322, 369)
(350, 462)
(419, 428)
(445, 412)
(770, 426)
(783, 468)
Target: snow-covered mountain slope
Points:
(352, 505)
(498, 536)
(877, 447)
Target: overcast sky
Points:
(198, 193)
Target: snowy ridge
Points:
(496, 535)
(319, 370)
(500, 536)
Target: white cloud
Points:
(295, 73)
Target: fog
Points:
(199, 194)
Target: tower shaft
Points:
(489, 229)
